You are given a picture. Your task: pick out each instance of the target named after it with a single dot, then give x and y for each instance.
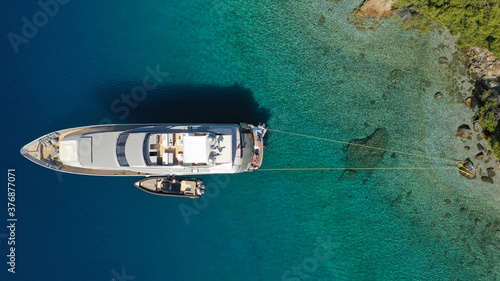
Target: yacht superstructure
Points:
(150, 149)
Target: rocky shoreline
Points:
(469, 211)
(482, 136)
(484, 70)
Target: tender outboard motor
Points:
(262, 129)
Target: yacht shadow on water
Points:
(185, 104)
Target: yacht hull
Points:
(148, 149)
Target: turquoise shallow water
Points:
(331, 80)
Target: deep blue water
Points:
(227, 62)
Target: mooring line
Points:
(334, 168)
(361, 145)
(467, 172)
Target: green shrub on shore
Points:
(489, 115)
(495, 147)
(476, 21)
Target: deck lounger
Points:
(154, 160)
(168, 158)
(153, 141)
(167, 140)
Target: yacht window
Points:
(120, 150)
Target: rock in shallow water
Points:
(476, 126)
(376, 8)
(322, 20)
(479, 156)
(464, 131)
(368, 16)
(363, 152)
(348, 175)
(467, 169)
(487, 179)
(443, 61)
(468, 102)
(395, 74)
(438, 96)
(491, 172)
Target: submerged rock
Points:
(348, 175)
(491, 172)
(487, 179)
(467, 169)
(443, 61)
(395, 74)
(322, 20)
(480, 147)
(464, 131)
(479, 156)
(365, 152)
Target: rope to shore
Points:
(361, 145)
(397, 168)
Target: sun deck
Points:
(165, 149)
(189, 149)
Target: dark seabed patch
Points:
(365, 152)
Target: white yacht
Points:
(151, 149)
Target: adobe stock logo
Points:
(324, 250)
(49, 8)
